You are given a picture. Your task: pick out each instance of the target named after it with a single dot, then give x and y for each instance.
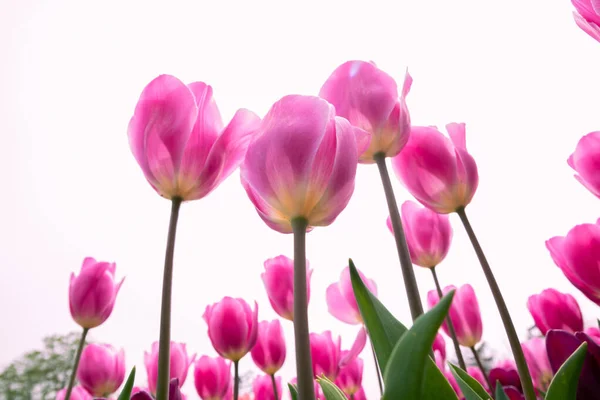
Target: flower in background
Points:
(92, 293)
(537, 360)
(341, 301)
(587, 17)
(552, 309)
(178, 139)
(593, 333)
(325, 354)
(179, 365)
(505, 372)
(475, 372)
(232, 327)
(349, 378)
(212, 378)
(439, 172)
(279, 283)
(439, 351)
(578, 256)
(262, 387)
(586, 161)
(302, 164)
(269, 351)
(77, 393)
(101, 369)
(368, 98)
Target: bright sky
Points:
(520, 74)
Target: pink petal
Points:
(457, 134)
(338, 305)
(357, 348)
(588, 27)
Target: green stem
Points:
(377, 369)
(76, 363)
(236, 380)
(513, 339)
(480, 365)
(275, 391)
(461, 360)
(164, 346)
(410, 282)
(304, 372)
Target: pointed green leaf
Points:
(500, 394)
(293, 391)
(404, 375)
(564, 383)
(126, 392)
(330, 390)
(471, 388)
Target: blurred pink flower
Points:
(586, 159)
(179, 365)
(439, 351)
(537, 360)
(77, 393)
(262, 388)
(269, 351)
(341, 301)
(325, 354)
(552, 309)
(349, 378)
(101, 369)
(587, 16)
(212, 378)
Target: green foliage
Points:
(126, 392)
(472, 390)
(500, 394)
(564, 384)
(330, 390)
(293, 391)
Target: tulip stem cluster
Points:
(306, 389)
(480, 365)
(513, 339)
(76, 363)
(459, 356)
(410, 282)
(164, 346)
(275, 392)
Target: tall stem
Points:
(377, 369)
(275, 391)
(76, 363)
(306, 388)
(236, 380)
(480, 365)
(164, 346)
(513, 339)
(410, 282)
(461, 360)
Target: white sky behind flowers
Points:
(520, 74)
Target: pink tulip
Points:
(594, 334)
(587, 16)
(93, 292)
(349, 378)
(212, 378)
(269, 351)
(428, 234)
(357, 348)
(578, 256)
(586, 159)
(505, 371)
(302, 164)
(77, 393)
(232, 327)
(439, 351)
(464, 313)
(262, 387)
(368, 98)
(325, 354)
(552, 309)
(179, 365)
(476, 373)
(537, 360)
(360, 395)
(101, 369)
(178, 139)
(341, 301)
(452, 380)
(437, 171)
(279, 283)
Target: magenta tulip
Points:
(360, 395)
(587, 16)
(269, 351)
(586, 159)
(368, 98)
(78, 393)
(552, 309)
(505, 372)
(262, 388)
(341, 301)
(437, 171)
(464, 313)
(325, 354)
(179, 365)
(279, 283)
(92, 293)
(212, 378)
(101, 369)
(593, 333)
(578, 256)
(302, 164)
(232, 327)
(428, 234)
(349, 378)
(537, 360)
(178, 139)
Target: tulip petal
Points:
(588, 27)
(338, 306)
(357, 348)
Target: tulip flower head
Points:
(587, 16)
(325, 354)
(505, 372)
(101, 369)
(586, 161)
(232, 327)
(439, 351)
(341, 301)
(212, 378)
(301, 164)
(537, 360)
(437, 171)
(349, 378)
(178, 139)
(269, 351)
(77, 393)
(179, 364)
(368, 98)
(262, 388)
(552, 309)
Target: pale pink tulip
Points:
(437, 171)
(302, 163)
(439, 351)
(586, 161)
(349, 378)
(279, 283)
(587, 16)
(325, 354)
(578, 256)
(101, 369)
(269, 351)
(476, 373)
(464, 313)
(262, 388)
(77, 393)
(178, 139)
(368, 98)
(179, 365)
(357, 348)
(92, 293)
(212, 378)
(537, 360)
(341, 301)
(232, 327)
(552, 309)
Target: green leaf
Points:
(564, 384)
(385, 331)
(330, 390)
(404, 375)
(293, 391)
(500, 394)
(126, 392)
(471, 388)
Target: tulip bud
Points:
(269, 351)
(552, 309)
(212, 377)
(179, 364)
(325, 354)
(341, 301)
(101, 369)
